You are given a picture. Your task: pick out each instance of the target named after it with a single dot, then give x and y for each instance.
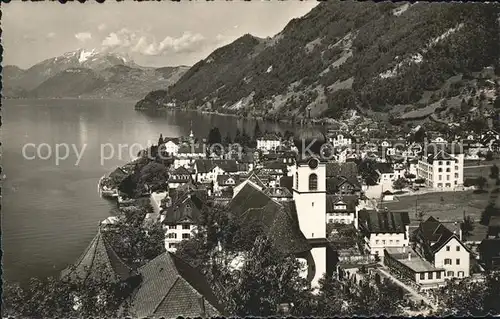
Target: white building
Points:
(442, 247)
(170, 146)
(340, 140)
(442, 171)
(268, 142)
(383, 229)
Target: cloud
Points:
(102, 27)
(148, 45)
(83, 36)
(51, 35)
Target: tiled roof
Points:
(278, 220)
(348, 169)
(287, 181)
(171, 288)
(384, 168)
(188, 207)
(433, 233)
(383, 221)
(99, 256)
(351, 201)
(278, 192)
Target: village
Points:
(388, 208)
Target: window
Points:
(450, 274)
(439, 177)
(458, 261)
(456, 168)
(458, 248)
(376, 241)
(438, 275)
(440, 162)
(312, 204)
(172, 235)
(447, 261)
(186, 226)
(447, 248)
(172, 226)
(171, 245)
(383, 242)
(313, 182)
(448, 170)
(440, 170)
(390, 241)
(397, 241)
(460, 274)
(422, 276)
(429, 275)
(447, 162)
(185, 236)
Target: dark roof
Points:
(333, 184)
(348, 169)
(434, 233)
(278, 192)
(191, 149)
(275, 165)
(99, 256)
(287, 181)
(384, 168)
(351, 202)
(170, 287)
(186, 208)
(206, 165)
(490, 248)
(278, 220)
(383, 221)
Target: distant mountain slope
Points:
(340, 56)
(87, 74)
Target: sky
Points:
(152, 33)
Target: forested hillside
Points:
(340, 56)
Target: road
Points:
(411, 290)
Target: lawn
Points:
(447, 206)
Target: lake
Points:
(51, 210)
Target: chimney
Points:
(409, 255)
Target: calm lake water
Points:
(50, 211)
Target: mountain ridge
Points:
(86, 74)
(342, 56)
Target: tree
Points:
(399, 184)
(481, 183)
(494, 171)
(467, 225)
(96, 296)
(227, 139)
(467, 298)
(489, 211)
(136, 242)
(214, 136)
(237, 137)
(160, 140)
(489, 156)
(256, 131)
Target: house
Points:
(387, 196)
(489, 253)
(406, 263)
(268, 142)
(342, 178)
(170, 287)
(179, 176)
(385, 172)
(443, 248)
(170, 146)
(180, 218)
(382, 229)
(341, 209)
(278, 193)
(208, 170)
(340, 140)
(442, 171)
(252, 179)
(226, 181)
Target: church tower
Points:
(309, 194)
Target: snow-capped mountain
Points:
(105, 74)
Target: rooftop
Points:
(415, 262)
